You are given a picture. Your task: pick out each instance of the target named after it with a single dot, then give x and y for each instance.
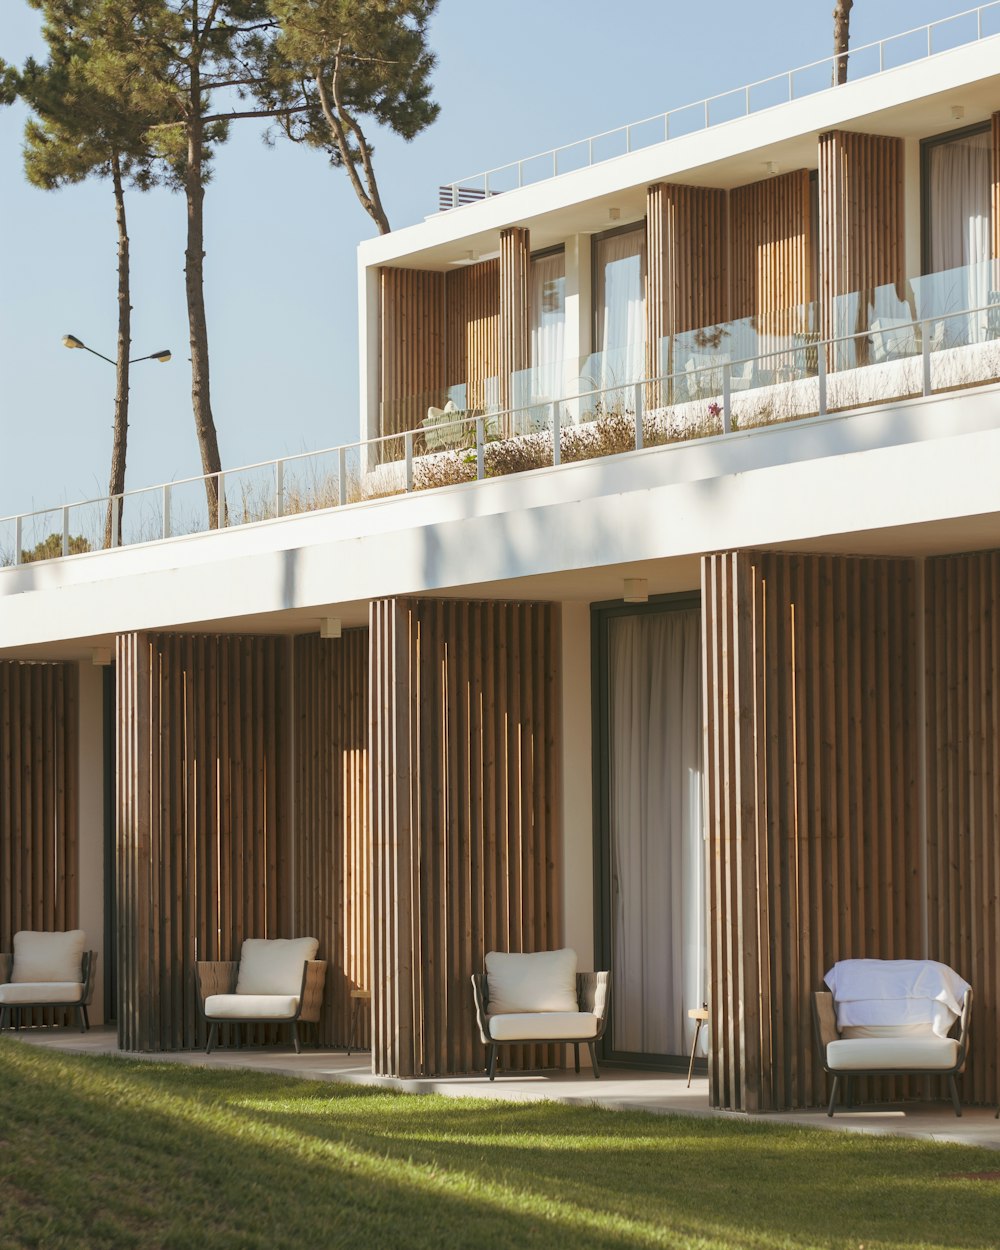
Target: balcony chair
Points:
(902, 1017)
(540, 999)
(47, 970)
(275, 981)
(705, 375)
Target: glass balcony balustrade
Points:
(933, 334)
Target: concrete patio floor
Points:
(618, 1089)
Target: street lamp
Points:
(116, 488)
(70, 340)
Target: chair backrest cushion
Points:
(48, 956)
(274, 965)
(541, 982)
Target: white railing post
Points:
(821, 377)
(220, 500)
(408, 457)
(520, 173)
(65, 533)
(116, 512)
(590, 151)
(279, 488)
(881, 56)
(480, 448)
(556, 434)
(929, 53)
(165, 507)
(18, 538)
(727, 403)
(638, 401)
(666, 127)
(747, 103)
(925, 355)
(342, 474)
(628, 138)
(979, 22)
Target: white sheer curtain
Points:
(657, 849)
(959, 180)
(620, 303)
(548, 327)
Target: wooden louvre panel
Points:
(333, 853)
(812, 751)
(204, 852)
(772, 253)
(472, 299)
(995, 194)
(686, 264)
(39, 802)
(860, 221)
(515, 307)
(963, 792)
(465, 818)
(411, 347)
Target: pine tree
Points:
(336, 61)
(78, 131)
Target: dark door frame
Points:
(601, 616)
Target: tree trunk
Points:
(841, 38)
(194, 257)
(116, 487)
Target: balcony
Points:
(935, 335)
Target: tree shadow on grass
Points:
(210, 1158)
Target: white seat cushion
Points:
(251, 1006)
(541, 982)
(41, 992)
(888, 1030)
(542, 1025)
(871, 1053)
(48, 956)
(274, 965)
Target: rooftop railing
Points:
(874, 58)
(798, 377)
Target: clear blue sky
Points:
(514, 77)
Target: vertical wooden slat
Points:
(515, 311)
(412, 346)
(807, 781)
(772, 253)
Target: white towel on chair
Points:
(896, 991)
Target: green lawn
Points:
(111, 1153)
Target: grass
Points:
(98, 1152)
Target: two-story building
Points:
(655, 611)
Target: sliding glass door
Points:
(651, 848)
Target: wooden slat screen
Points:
(39, 801)
(686, 263)
(860, 220)
(515, 310)
(812, 753)
(412, 346)
(204, 852)
(963, 792)
(772, 252)
(472, 298)
(333, 852)
(465, 814)
(995, 192)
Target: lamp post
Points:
(116, 489)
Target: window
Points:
(548, 325)
(619, 306)
(957, 171)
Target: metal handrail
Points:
(482, 180)
(479, 426)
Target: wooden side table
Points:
(359, 1000)
(699, 1014)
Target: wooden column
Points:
(812, 760)
(412, 363)
(204, 852)
(860, 222)
(39, 798)
(772, 252)
(963, 792)
(333, 851)
(465, 817)
(515, 306)
(686, 263)
(472, 298)
(995, 190)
